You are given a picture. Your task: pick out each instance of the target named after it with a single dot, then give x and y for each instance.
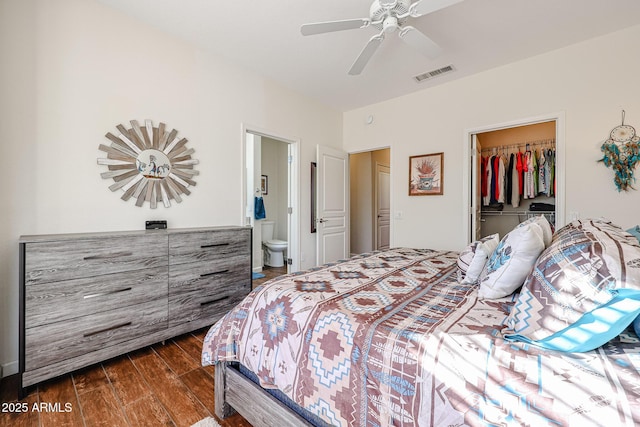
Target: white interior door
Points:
(332, 228)
(382, 216)
(476, 195)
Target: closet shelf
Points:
(516, 213)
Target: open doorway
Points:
(370, 186)
(536, 135)
(271, 203)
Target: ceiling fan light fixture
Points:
(390, 24)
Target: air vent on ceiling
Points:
(434, 73)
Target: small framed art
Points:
(426, 174)
(264, 185)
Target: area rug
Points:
(207, 422)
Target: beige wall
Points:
(71, 71)
(577, 81)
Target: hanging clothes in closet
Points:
(517, 176)
(493, 173)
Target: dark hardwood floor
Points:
(160, 385)
(269, 273)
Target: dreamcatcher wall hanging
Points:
(622, 153)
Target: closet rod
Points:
(536, 143)
(516, 213)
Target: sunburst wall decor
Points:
(150, 164)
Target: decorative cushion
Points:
(575, 275)
(466, 256)
(594, 328)
(636, 326)
(635, 231)
(512, 261)
(543, 222)
(484, 249)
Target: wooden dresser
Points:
(85, 298)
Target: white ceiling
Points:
(475, 35)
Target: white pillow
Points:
(541, 220)
(512, 261)
(466, 256)
(484, 249)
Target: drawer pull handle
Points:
(214, 245)
(108, 256)
(122, 325)
(213, 300)
(214, 273)
(101, 294)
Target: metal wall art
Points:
(150, 164)
(622, 154)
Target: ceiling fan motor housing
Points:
(382, 10)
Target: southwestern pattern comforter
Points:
(392, 339)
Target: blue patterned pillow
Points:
(593, 328)
(635, 231)
(574, 276)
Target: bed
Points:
(421, 337)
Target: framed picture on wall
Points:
(264, 185)
(426, 174)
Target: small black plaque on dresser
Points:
(155, 225)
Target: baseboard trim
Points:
(7, 369)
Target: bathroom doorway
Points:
(271, 200)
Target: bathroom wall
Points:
(275, 167)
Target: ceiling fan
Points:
(387, 16)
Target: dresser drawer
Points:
(198, 290)
(58, 341)
(222, 274)
(192, 306)
(208, 245)
(72, 259)
(52, 302)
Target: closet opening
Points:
(515, 172)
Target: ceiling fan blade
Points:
(424, 7)
(419, 41)
(330, 26)
(366, 54)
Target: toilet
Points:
(274, 249)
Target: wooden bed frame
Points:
(236, 393)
